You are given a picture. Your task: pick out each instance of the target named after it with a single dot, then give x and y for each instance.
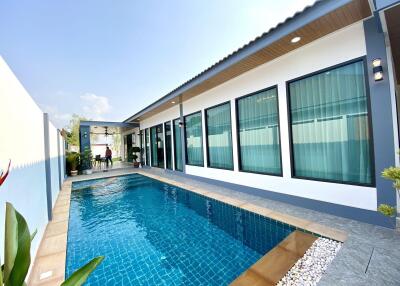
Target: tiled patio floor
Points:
(370, 255)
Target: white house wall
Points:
(22, 141)
(338, 47)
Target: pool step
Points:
(270, 268)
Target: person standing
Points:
(108, 156)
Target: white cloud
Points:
(90, 105)
(58, 118)
(95, 106)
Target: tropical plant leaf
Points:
(79, 277)
(11, 240)
(1, 274)
(33, 236)
(3, 177)
(23, 258)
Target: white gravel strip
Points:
(309, 269)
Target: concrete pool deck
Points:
(370, 254)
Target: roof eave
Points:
(290, 25)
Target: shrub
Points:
(73, 160)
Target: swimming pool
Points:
(152, 233)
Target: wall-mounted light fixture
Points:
(180, 124)
(377, 69)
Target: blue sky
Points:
(108, 59)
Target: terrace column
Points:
(84, 138)
(381, 114)
(59, 153)
(181, 119)
(47, 165)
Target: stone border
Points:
(49, 265)
(270, 268)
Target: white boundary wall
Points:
(338, 47)
(22, 141)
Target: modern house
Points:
(305, 114)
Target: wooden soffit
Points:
(339, 18)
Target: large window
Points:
(330, 126)
(157, 146)
(177, 145)
(168, 144)
(194, 140)
(147, 143)
(141, 146)
(219, 137)
(258, 128)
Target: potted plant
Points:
(73, 162)
(87, 161)
(135, 150)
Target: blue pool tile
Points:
(153, 233)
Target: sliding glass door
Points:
(157, 146)
(142, 147)
(330, 126)
(177, 145)
(258, 132)
(147, 144)
(129, 146)
(168, 145)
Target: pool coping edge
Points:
(53, 245)
(298, 223)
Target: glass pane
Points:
(168, 145)
(141, 146)
(177, 146)
(125, 149)
(160, 146)
(258, 126)
(194, 140)
(129, 148)
(154, 153)
(330, 131)
(147, 147)
(219, 137)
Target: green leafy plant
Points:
(73, 159)
(86, 159)
(17, 248)
(135, 150)
(393, 174)
(387, 210)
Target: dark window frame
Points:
(151, 151)
(238, 132)
(165, 144)
(173, 127)
(206, 129)
(147, 152)
(202, 147)
(362, 59)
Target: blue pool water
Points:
(152, 233)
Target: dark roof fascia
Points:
(385, 4)
(109, 124)
(291, 24)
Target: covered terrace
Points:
(119, 137)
